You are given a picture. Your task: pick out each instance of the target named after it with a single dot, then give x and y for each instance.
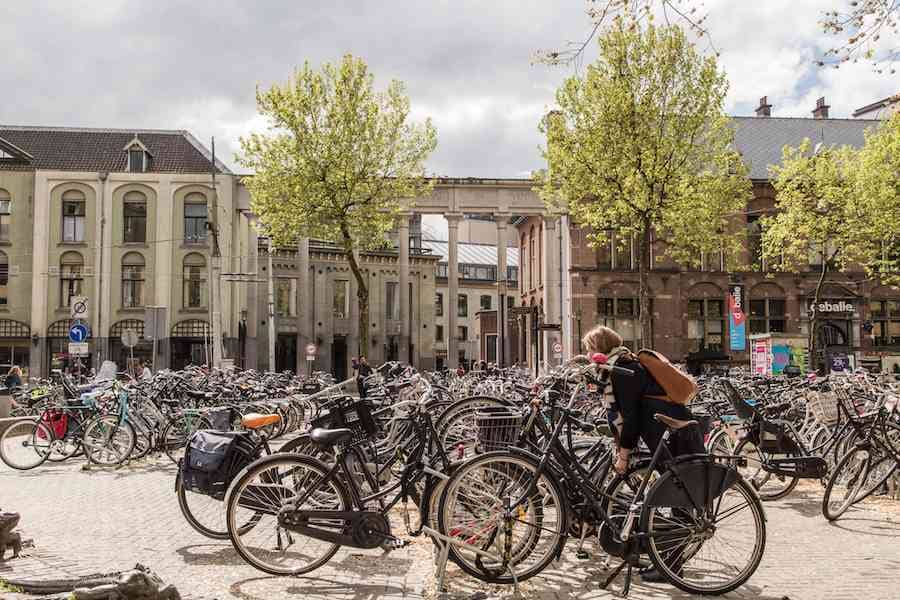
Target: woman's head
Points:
(601, 339)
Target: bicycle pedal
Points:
(395, 544)
(583, 555)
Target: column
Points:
(167, 272)
(552, 281)
(252, 296)
(40, 279)
(502, 345)
(403, 296)
(452, 289)
(303, 304)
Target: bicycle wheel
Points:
(846, 482)
(257, 496)
(710, 551)
(456, 426)
(176, 433)
(25, 445)
(769, 486)
(721, 443)
(108, 441)
(474, 511)
(880, 470)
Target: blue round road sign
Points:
(78, 333)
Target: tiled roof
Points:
(760, 139)
(472, 254)
(77, 149)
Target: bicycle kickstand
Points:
(627, 587)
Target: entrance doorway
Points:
(339, 357)
(286, 352)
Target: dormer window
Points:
(138, 157)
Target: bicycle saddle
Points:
(256, 420)
(674, 423)
(330, 437)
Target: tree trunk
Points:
(814, 319)
(362, 293)
(644, 287)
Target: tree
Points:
(336, 163)
(817, 219)
(876, 185)
(641, 146)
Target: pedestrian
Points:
(146, 374)
(630, 410)
(13, 377)
(363, 370)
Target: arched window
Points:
(195, 216)
(4, 279)
(71, 267)
(135, 218)
(194, 281)
(73, 211)
(5, 214)
(132, 280)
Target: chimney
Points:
(821, 110)
(764, 109)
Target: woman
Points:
(363, 370)
(13, 378)
(630, 408)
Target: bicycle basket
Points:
(497, 428)
(775, 438)
(823, 406)
(350, 414)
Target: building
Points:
(117, 216)
(689, 306)
(478, 297)
(882, 109)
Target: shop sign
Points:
(737, 319)
(837, 306)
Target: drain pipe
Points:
(102, 177)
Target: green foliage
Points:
(6, 587)
(338, 158)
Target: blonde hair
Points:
(601, 339)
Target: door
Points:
(286, 352)
(339, 357)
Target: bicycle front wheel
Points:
(25, 445)
(108, 440)
(255, 499)
(846, 482)
(176, 433)
(769, 486)
(708, 551)
(495, 537)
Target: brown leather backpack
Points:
(680, 388)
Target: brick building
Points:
(689, 306)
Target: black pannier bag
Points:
(213, 458)
(775, 438)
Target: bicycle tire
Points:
(174, 441)
(121, 449)
(760, 478)
(30, 432)
(848, 478)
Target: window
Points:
(540, 258)
(886, 321)
(706, 325)
(71, 266)
(132, 280)
(531, 260)
(485, 302)
(462, 306)
(442, 271)
(391, 301)
(462, 333)
(623, 315)
(283, 297)
(439, 333)
(135, 218)
(137, 160)
(5, 214)
(512, 274)
(194, 281)
(712, 261)
(195, 216)
(73, 207)
(4, 279)
(767, 315)
(341, 306)
(439, 305)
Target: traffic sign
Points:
(78, 333)
(557, 348)
(79, 307)
(78, 348)
(129, 338)
(311, 349)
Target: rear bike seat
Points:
(330, 437)
(674, 423)
(256, 420)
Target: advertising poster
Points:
(737, 319)
(761, 357)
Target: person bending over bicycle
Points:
(631, 402)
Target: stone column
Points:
(304, 309)
(403, 296)
(502, 332)
(452, 289)
(551, 279)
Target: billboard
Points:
(737, 319)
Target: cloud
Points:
(466, 64)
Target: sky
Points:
(467, 65)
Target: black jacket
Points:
(637, 410)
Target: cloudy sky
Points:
(195, 64)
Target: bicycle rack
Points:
(443, 543)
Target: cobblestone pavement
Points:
(98, 521)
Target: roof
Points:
(760, 139)
(876, 105)
(472, 254)
(83, 149)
